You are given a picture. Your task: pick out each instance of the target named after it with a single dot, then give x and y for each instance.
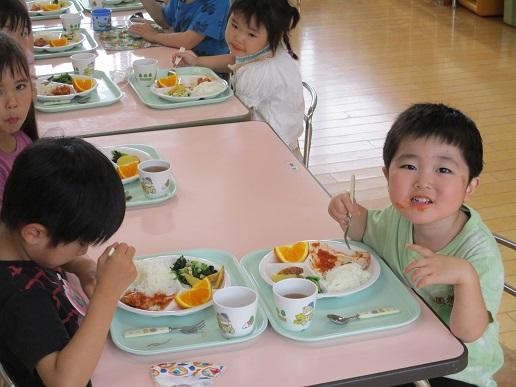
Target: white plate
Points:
(173, 309)
(189, 81)
(77, 39)
(66, 6)
(130, 151)
(269, 265)
(113, 2)
(73, 93)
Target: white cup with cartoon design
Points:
(236, 308)
(155, 178)
(295, 302)
(145, 71)
(83, 63)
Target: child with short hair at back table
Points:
(197, 25)
(62, 195)
(264, 72)
(439, 245)
(18, 120)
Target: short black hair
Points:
(14, 15)
(444, 123)
(13, 59)
(277, 16)
(68, 186)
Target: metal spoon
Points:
(341, 320)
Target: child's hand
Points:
(115, 272)
(435, 269)
(341, 207)
(188, 58)
(145, 30)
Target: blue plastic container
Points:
(101, 19)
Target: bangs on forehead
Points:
(13, 68)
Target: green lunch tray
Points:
(153, 101)
(134, 189)
(75, 8)
(210, 336)
(125, 6)
(387, 290)
(107, 93)
(88, 45)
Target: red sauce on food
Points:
(325, 261)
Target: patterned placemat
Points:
(119, 39)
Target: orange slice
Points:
(199, 294)
(292, 253)
(50, 7)
(81, 84)
(58, 42)
(168, 81)
(127, 166)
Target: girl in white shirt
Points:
(264, 73)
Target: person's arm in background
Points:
(188, 39)
(155, 10)
(218, 63)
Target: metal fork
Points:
(352, 197)
(187, 330)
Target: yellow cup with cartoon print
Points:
(295, 302)
(236, 308)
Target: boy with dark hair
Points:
(62, 195)
(433, 157)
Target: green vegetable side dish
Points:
(315, 279)
(116, 155)
(183, 267)
(62, 78)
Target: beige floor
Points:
(369, 60)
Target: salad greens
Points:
(62, 78)
(197, 269)
(315, 279)
(116, 155)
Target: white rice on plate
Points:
(154, 276)
(344, 277)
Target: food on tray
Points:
(288, 272)
(207, 87)
(179, 91)
(82, 84)
(126, 165)
(324, 258)
(59, 42)
(344, 277)
(199, 294)
(168, 81)
(154, 287)
(48, 6)
(292, 253)
(40, 42)
(188, 270)
(62, 78)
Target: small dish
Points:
(173, 309)
(44, 88)
(108, 152)
(32, 5)
(190, 82)
(75, 41)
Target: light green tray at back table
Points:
(126, 6)
(386, 291)
(75, 8)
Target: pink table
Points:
(239, 190)
(129, 114)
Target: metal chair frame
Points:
(308, 122)
(508, 288)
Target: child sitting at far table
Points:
(264, 73)
(433, 157)
(62, 195)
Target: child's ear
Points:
(472, 187)
(34, 233)
(386, 173)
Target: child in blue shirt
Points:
(433, 157)
(196, 25)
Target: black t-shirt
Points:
(36, 318)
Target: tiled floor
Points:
(369, 60)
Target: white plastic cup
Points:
(295, 302)
(71, 22)
(155, 177)
(236, 308)
(145, 71)
(83, 63)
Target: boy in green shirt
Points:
(433, 157)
